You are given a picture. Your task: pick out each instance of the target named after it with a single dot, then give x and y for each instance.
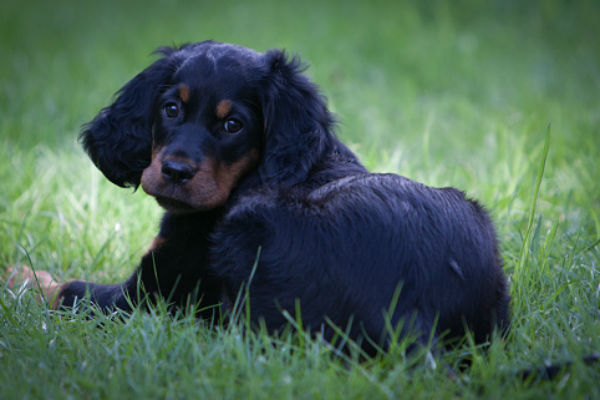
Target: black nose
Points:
(177, 171)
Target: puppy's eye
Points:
(171, 109)
(232, 125)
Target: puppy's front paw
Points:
(23, 275)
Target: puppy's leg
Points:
(167, 270)
(53, 292)
(105, 296)
(142, 283)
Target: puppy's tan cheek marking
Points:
(227, 176)
(214, 181)
(203, 186)
(223, 108)
(156, 151)
(184, 93)
(152, 175)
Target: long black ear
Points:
(119, 139)
(297, 123)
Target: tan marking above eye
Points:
(184, 93)
(223, 108)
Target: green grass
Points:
(448, 93)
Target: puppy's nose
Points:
(177, 172)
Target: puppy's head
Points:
(203, 117)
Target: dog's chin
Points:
(176, 203)
(202, 193)
(176, 206)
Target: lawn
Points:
(499, 98)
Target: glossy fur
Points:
(332, 236)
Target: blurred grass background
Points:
(448, 93)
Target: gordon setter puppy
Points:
(238, 147)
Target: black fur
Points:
(333, 237)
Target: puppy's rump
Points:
(349, 245)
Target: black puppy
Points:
(238, 147)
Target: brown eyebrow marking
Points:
(223, 108)
(184, 93)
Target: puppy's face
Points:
(204, 116)
(206, 133)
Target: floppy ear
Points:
(119, 139)
(297, 123)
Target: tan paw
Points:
(42, 280)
